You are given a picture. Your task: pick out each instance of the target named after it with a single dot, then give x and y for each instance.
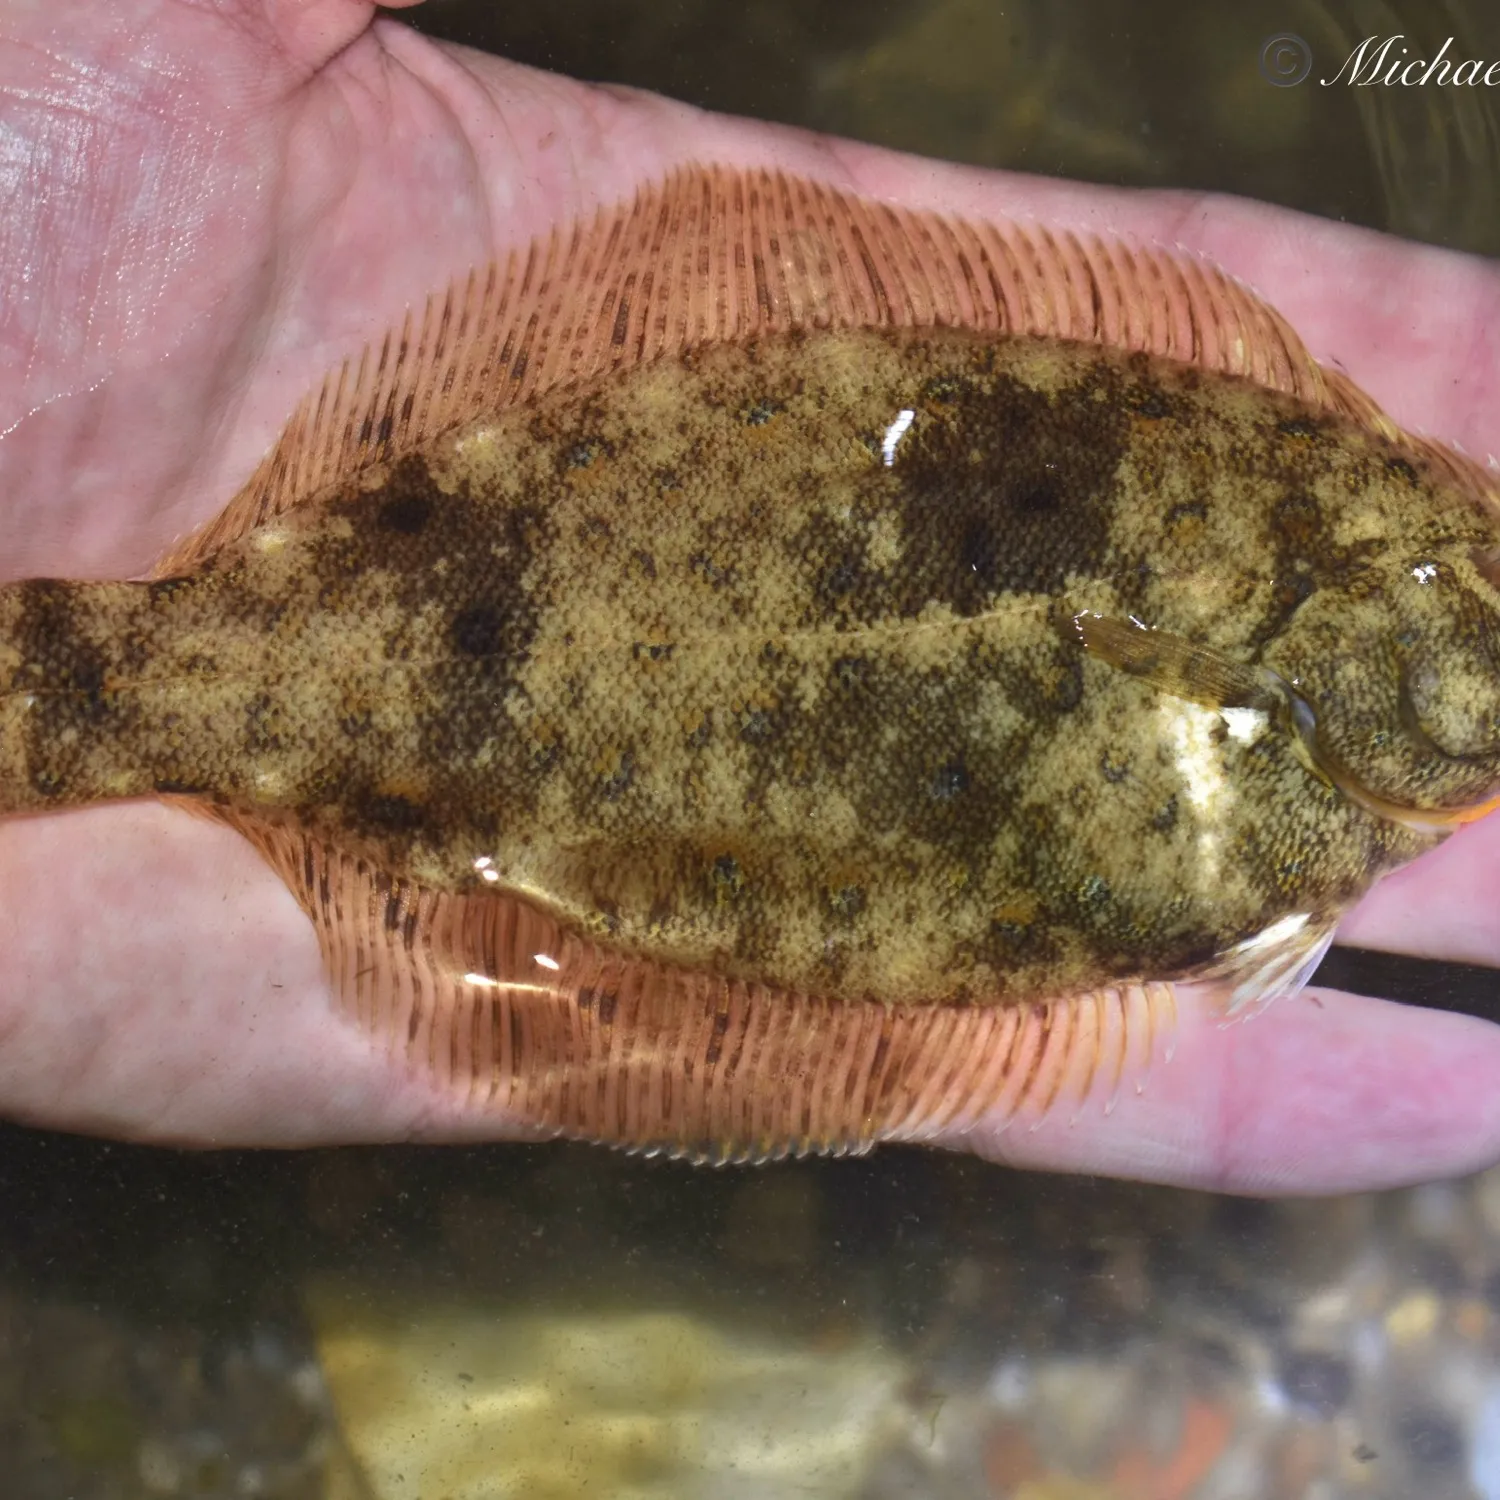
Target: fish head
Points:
(1394, 681)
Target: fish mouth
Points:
(1330, 768)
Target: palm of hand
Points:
(222, 202)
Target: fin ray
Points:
(1276, 963)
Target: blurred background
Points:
(546, 1323)
(1141, 93)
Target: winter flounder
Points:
(763, 672)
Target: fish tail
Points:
(70, 712)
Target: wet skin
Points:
(196, 1010)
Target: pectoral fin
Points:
(1176, 665)
(1275, 963)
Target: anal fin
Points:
(497, 1005)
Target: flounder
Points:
(765, 672)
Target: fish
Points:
(761, 671)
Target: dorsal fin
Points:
(715, 253)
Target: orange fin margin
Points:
(715, 254)
(507, 1013)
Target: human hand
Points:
(208, 208)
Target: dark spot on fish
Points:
(1039, 499)
(1093, 891)
(1062, 686)
(645, 562)
(702, 733)
(662, 651)
(841, 578)
(725, 875)
(390, 813)
(1187, 510)
(357, 725)
(979, 550)
(47, 782)
(1113, 768)
(165, 588)
(948, 782)
(85, 673)
(1164, 819)
(405, 513)
(851, 672)
(709, 570)
(1007, 490)
(1399, 468)
(756, 726)
(1299, 427)
(1011, 939)
(847, 902)
(759, 413)
(544, 758)
(944, 389)
(582, 455)
(478, 630)
(1151, 404)
(260, 734)
(1293, 590)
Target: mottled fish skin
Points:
(758, 659)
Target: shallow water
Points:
(555, 1321)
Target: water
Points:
(1165, 94)
(554, 1321)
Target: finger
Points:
(1325, 1093)
(194, 1011)
(1442, 906)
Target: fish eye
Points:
(1442, 723)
